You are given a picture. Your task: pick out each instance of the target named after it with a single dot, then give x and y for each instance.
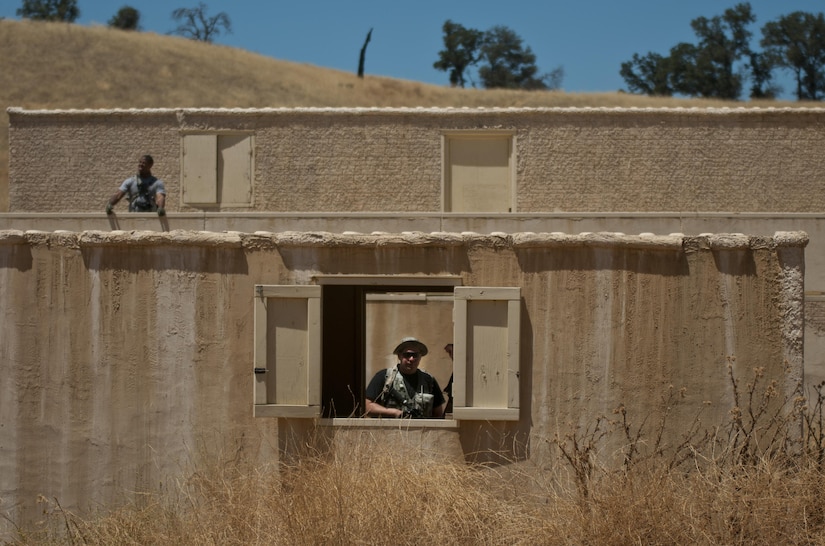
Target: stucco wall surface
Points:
(127, 356)
(345, 160)
(75, 171)
(764, 224)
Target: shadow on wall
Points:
(380, 260)
(735, 262)
(226, 261)
(19, 258)
(564, 258)
(495, 443)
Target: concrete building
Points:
(578, 258)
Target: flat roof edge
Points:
(754, 110)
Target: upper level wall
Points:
(345, 160)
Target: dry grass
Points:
(58, 65)
(741, 483)
(384, 498)
(371, 497)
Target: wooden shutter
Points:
(235, 169)
(287, 366)
(478, 173)
(200, 163)
(486, 353)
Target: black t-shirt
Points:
(414, 383)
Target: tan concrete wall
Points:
(75, 170)
(127, 356)
(345, 160)
(631, 223)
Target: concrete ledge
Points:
(659, 223)
(295, 239)
(401, 424)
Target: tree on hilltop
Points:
(126, 18)
(714, 67)
(504, 61)
(648, 75)
(461, 50)
(50, 10)
(797, 42)
(509, 64)
(723, 40)
(195, 24)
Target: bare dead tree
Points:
(363, 54)
(195, 24)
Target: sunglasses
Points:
(410, 354)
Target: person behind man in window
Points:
(404, 390)
(145, 192)
(448, 390)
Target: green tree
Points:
(127, 18)
(762, 75)
(797, 42)
(507, 63)
(723, 40)
(50, 10)
(461, 51)
(195, 24)
(648, 75)
(708, 68)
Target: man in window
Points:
(406, 391)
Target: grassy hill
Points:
(59, 65)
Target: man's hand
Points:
(161, 211)
(109, 208)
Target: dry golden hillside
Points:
(59, 65)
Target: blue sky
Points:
(589, 39)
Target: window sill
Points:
(404, 424)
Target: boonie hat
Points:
(408, 342)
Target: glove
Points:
(161, 211)
(109, 208)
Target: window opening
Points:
(317, 346)
(363, 324)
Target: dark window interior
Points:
(344, 345)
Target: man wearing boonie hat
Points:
(404, 390)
